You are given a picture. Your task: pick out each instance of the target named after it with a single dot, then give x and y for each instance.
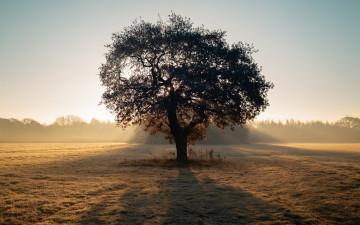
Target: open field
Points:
(256, 184)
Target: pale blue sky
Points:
(50, 52)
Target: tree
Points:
(349, 122)
(174, 78)
(69, 120)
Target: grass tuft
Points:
(204, 155)
(196, 157)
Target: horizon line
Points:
(289, 120)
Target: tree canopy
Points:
(175, 78)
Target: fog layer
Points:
(74, 129)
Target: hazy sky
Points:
(50, 52)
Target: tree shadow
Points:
(187, 199)
(203, 201)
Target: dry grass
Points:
(196, 157)
(111, 184)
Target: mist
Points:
(64, 129)
(74, 129)
(344, 130)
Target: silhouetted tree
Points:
(177, 79)
(349, 122)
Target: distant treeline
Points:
(64, 129)
(74, 129)
(346, 129)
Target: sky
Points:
(51, 51)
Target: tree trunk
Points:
(179, 133)
(181, 148)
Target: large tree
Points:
(175, 78)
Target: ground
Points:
(101, 183)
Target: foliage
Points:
(177, 79)
(349, 122)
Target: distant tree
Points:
(31, 123)
(177, 79)
(69, 120)
(349, 122)
(95, 122)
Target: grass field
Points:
(255, 184)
